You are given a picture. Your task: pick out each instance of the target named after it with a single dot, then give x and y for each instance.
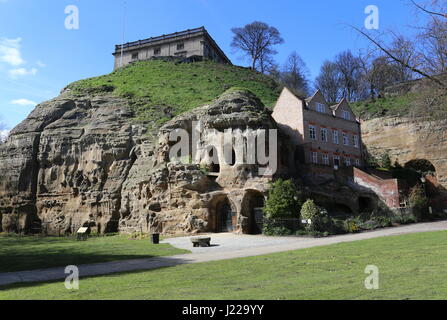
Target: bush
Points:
(318, 216)
(385, 160)
(418, 202)
(352, 225)
(284, 200)
(277, 231)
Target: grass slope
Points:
(411, 267)
(389, 106)
(27, 253)
(159, 89)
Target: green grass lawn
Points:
(389, 106)
(155, 86)
(411, 267)
(28, 253)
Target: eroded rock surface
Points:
(85, 161)
(408, 140)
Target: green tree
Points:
(385, 160)
(317, 215)
(418, 202)
(284, 200)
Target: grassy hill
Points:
(389, 106)
(159, 90)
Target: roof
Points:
(174, 35)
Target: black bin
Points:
(155, 238)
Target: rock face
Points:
(408, 140)
(78, 161)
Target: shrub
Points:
(270, 230)
(284, 200)
(352, 225)
(317, 215)
(418, 202)
(385, 160)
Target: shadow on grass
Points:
(115, 268)
(31, 253)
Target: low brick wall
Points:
(387, 190)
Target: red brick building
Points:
(322, 134)
(326, 143)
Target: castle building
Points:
(322, 135)
(194, 43)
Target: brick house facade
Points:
(322, 134)
(327, 145)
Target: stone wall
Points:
(408, 140)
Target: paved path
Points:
(224, 246)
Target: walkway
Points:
(224, 246)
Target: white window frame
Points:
(315, 157)
(325, 159)
(337, 158)
(324, 134)
(345, 139)
(312, 132)
(320, 107)
(356, 141)
(357, 162)
(335, 137)
(348, 161)
(346, 115)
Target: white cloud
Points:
(3, 134)
(23, 102)
(40, 64)
(20, 72)
(10, 51)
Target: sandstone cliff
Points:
(406, 139)
(84, 160)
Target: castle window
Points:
(312, 133)
(135, 56)
(180, 46)
(356, 141)
(335, 137)
(324, 135)
(320, 107)
(346, 115)
(157, 51)
(345, 139)
(357, 162)
(348, 162)
(337, 161)
(315, 157)
(325, 159)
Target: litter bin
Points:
(155, 238)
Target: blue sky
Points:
(39, 56)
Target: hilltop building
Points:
(195, 43)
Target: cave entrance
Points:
(226, 216)
(253, 212)
(419, 171)
(366, 205)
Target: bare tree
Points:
(404, 50)
(349, 69)
(433, 43)
(382, 74)
(257, 40)
(295, 74)
(432, 46)
(328, 82)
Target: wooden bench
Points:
(201, 241)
